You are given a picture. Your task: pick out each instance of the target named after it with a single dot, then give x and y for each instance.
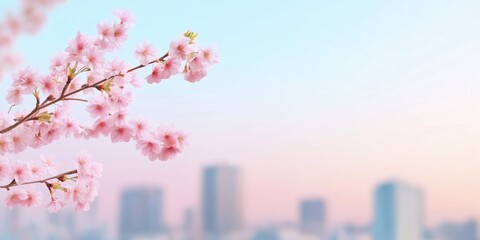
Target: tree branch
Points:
(13, 183)
(65, 97)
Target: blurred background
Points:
(331, 120)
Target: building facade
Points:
(313, 216)
(141, 212)
(221, 201)
(399, 211)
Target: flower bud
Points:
(191, 35)
(45, 117)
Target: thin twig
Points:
(13, 183)
(75, 99)
(10, 109)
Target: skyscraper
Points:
(141, 212)
(313, 216)
(454, 231)
(221, 201)
(188, 228)
(398, 212)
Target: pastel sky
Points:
(311, 99)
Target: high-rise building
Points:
(313, 216)
(456, 231)
(398, 212)
(266, 234)
(350, 232)
(221, 201)
(188, 228)
(141, 212)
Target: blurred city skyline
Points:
(325, 99)
(399, 214)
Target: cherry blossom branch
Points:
(60, 177)
(48, 121)
(65, 97)
(82, 191)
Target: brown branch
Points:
(64, 97)
(13, 183)
(75, 99)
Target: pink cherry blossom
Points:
(48, 85)
(145, 53)
(71, 127)
(78, 192)
(119, 117)
(125, 17)
(168, 153)
(154, 77)
(58, 63)
(28, 19)
(37, 170)
(13, 23)
(208, 55)
(61, 112)
(5, 170)
(120, 98)
(195, 76)
(21, 172)
(119, 34)
(101, 127)
(51, 134)
(15, 96)
(18, 141)
(164, 71)
(48, 163)
(93, 58)
(92, 184)
(140, 128)
(96, 170)
(197, 64)
(4, 145)
(121, 133)
(88, 168)
(86, 73)
(27, 80)
(55, 205)
(33, 199)
(36, 141)
(149, 147)
(92, 78)
(168, 137)
(82, 206)
(181, 47)
(6, 120)
(15, 197)
(84, 162)
(133, 79)
(115, 67)
(98, 107)
(82, 193)
(105, 34)
(78, 46)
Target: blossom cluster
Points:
(79, 186)
(84, 73)
(29, 19)
(105, 85)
